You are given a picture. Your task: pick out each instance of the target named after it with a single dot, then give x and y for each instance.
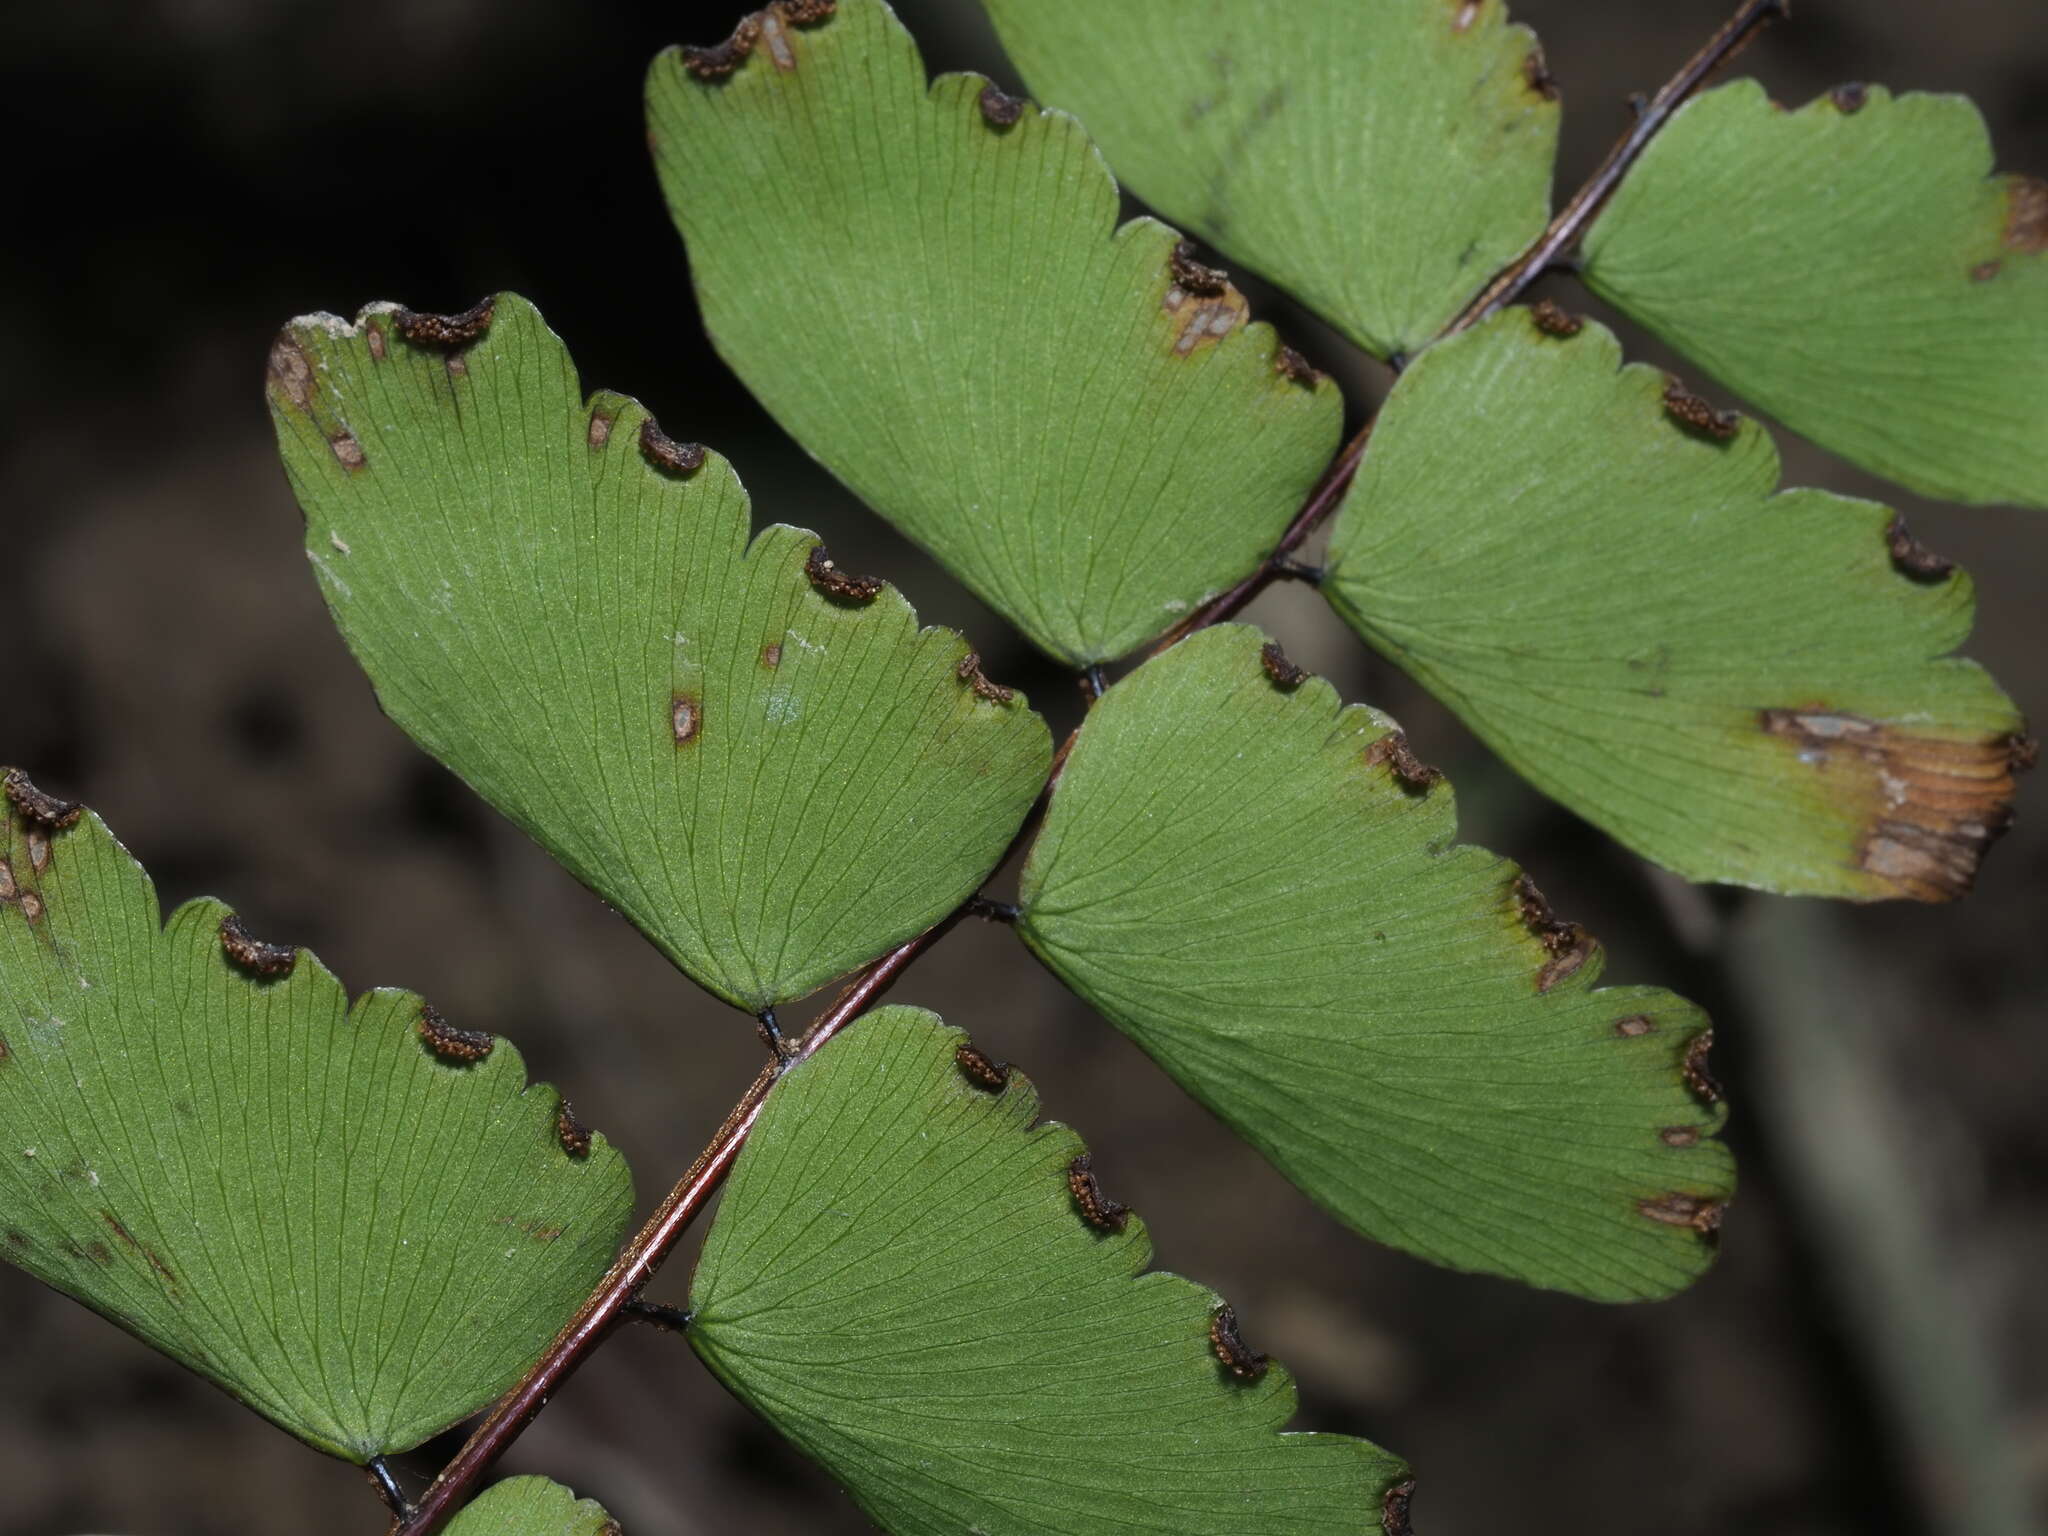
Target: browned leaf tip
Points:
(837, 584)
(2026, 213)
(1553, 319)
(1850, 96)
(1294, 368)
(998, 108)
(1700, 1081)
(37, 806)
(969, 672)
(1284, 673)
(572, 1133)
(1929, 806)
(721, 59)
(666, 454)
(452, 1044)
(983, 1071)
(1100, 1212)
(1568, 945)
(1394, 1519)
(1913, 558)
(444, 330)
(1238, 1357)
(1682, 1210)
(269, 961)
(1190, 275)
(1393, 750)
(685, 718)
(1689, 409)
(1537, 76)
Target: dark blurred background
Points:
(1871, 1354)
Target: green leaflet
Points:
(1855, 269)
(295, 1197)
(775, 784)
(936, 307)
(1378, 160)
(532, 1506)
(900, 1281)
(1258, 888)
(1744, 686)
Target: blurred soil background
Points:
(1871, 1354)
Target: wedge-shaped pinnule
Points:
(361, 1221)
(931, 1295)
(1259, 887)
(1379, 161)
(927, 288)
(757, 757)
(1855, 269)
(1589, 564)
(533, 1506)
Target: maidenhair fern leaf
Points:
(359, 1220)
(1854, 268)
(1379, 160)
(905, 1279)
(1261, 889)
(758, 758)
(533, 1506)
(1590, 565)
(922, 284)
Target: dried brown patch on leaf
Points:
(290, 371)
(1394, 1518)
(374, 334)
(38, 850)
(31, 906)
(452, 1044)
(1237, 1357)
(719, 60)
(1691, 410)
(268, 961)
(457, 330)
(1100, 1212)
(1678, 1209)
(1984, 271)
(1567, 945)
(969, 672)
(1553, 319)
(981, 1069)
(1850, 97)
(1204, 303)
(666, 454)
(1679, 1135)
(141, 1251)
(842, 586)
(1928, 806)
(999, 109)
(1700, 1081)
(1284, 673)
(685, 718)
(1913, 558)
(8, 890)
(771, 655)
(2026, 214)
(1393, 750)
(572, 1133)
(348, 453)
(1635, 1026)
(39, 806)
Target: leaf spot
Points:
(1681, 1210)
(771, 655)
(31, 906)
(2026, 218)
(1984, 271)
(1679, 1135)
(600, 431)
(348, 453)
(38, 850)
(455, 1046)
(268, 961)
(686, 718)
(1204, 303)
(1634, 1026)
(1237, 1357)
(291, 371)
(7, 887)
(1097, 1209)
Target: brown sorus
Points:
(980, 1069)
(572, 1133)
(1911, 557)
(1850, 96)
(969, 672)
(1238, 1357)
(1683, 1210)
(1568, 945)
(833, 582)
(1688, 409)
(1284, 673)
(998, 108)
(721, 59)
(1101, 1212)
(1553, 319)
(1394, 1519)
(1702, 1082)
(251, 953)
(1293, 367)
(37, 806)
(1393, 750)
(806, 13)
(444, 330)
(1192, 276)
(666, 454)
(450, 1043)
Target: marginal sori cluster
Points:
(364, 1222)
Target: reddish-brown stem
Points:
(606, 1307)
(1566, 229)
